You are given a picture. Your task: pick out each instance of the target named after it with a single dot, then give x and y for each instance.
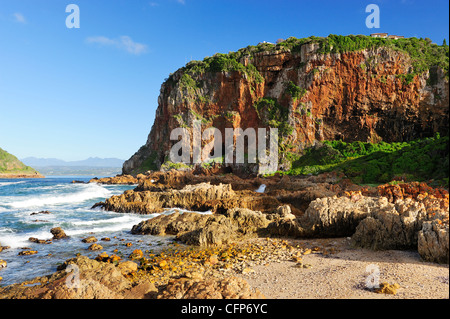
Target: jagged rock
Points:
(217, 230)
(27, 252)
(394, 226)
(95, 247)
(58, 233)
(127, 267)
(90, 239)
(119, 179)
(171, 224)
(433, 242)
(45, 212)
(338, 216)
(84, 279)
(136, 254)
(284, 212)
(39, 241)
(200, 197)
(229, 288)
(246, 220)
(3, 248)
(205, 229)
(2, 264)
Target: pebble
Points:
(247, 271)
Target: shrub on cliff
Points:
(423, 53)
(420, 160)
(294, 91)
(274, 115)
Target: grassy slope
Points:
(420, 160)
(9, 164)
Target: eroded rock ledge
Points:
(84, 278)
(399, 216)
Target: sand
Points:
(343, 274)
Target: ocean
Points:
(70, 208)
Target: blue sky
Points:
(92, 91)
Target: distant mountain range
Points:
(90, 162)
(93, 166)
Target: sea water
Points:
(70, 206)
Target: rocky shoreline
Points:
(397, 216)
(294, 222)
(18, 176)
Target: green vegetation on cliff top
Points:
(9, 164)
(423, 53)
(367, 163)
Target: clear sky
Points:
(92, 91)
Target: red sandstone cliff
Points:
(358, 95)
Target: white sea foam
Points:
(261, 188)
(116, 220)
(10, 183)
(169, 211)
(105, 225)
(89, 191)
(9, 237)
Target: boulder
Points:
(127, 267)
(394, 226)
(95, 247)
(337, 216)
(58, 233)
(28, 252)
(170, 224)
(39, 241)
(217, 230)
(90, 239)
(433, 242)
(246, 220)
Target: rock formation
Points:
(84, 278)
(309, 93)
(433, 242)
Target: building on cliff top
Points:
(385, 35)
(265, 42)
(379, 35)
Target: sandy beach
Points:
(343, 274)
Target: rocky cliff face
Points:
(369, 95)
